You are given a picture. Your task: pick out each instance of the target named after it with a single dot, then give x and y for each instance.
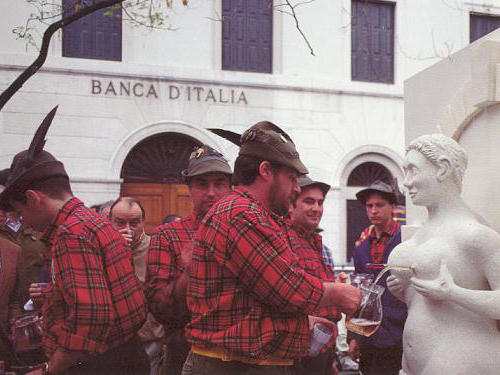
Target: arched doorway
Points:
(361, 176)
(151, 172)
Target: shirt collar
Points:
(393, 227)
(306, 233)
(66, 210)
(245, 193)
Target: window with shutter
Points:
(247, 35)
(482, 24)
(95, 36)
(372, 41)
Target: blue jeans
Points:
(199, 365)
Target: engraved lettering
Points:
(125, 88)
(173, 92)
(96, 86)
(152, 91)
(136, 92)
(211, 96)
(110, 88)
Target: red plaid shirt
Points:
(308, 245)
(89, 258)
(244, 294)
(164, 267)
(377, 245)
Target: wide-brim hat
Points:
(378, 187)
(266, 141)
(205, 160)
(32, 165)
(306, 181)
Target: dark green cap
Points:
(306, 181)
(204, 160)
(378, 187)
(263, 141)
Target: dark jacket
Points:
(10, 258)
(394, 311)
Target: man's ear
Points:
(266, 170)
(444, 168)
(33, 198)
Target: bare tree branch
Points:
(217, 18)
(291, 12)
(42, 56)
(435, 54)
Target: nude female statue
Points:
(453, 295)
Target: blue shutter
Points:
(372, 41)
(95, 36)
(247, 31)
(481, 24)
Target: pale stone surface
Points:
(459, 97)
(453, 297)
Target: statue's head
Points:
(434, 166)
(436, 147)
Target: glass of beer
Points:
(27, 333)
(367, 319)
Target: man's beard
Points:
(279, 207)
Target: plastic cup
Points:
(321, 334)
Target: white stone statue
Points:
(453, 294)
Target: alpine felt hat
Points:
(266, 141)
(32, 165)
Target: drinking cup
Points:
(320, 336)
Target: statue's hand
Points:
(394, 285)
(397, 287)
(438, 289)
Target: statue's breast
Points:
(428, 256)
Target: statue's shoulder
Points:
(477, 235)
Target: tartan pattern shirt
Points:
(377, 245)
(327, 257)
(245, 293)
(308, 246)
(95, 301)
(164, 267)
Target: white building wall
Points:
(335, 122)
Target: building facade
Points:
(133, 102)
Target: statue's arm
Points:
(484, 258)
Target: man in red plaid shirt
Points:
(94, 304)
(209, 178)
(250, 301)
(306, 212)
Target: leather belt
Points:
(225, 356)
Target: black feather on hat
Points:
(238, 139)
(267, 141)
(32, 165)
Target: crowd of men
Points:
(236, 287)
